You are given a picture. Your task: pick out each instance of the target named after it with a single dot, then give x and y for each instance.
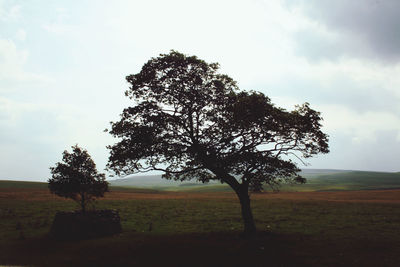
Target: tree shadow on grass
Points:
(205, 249)
(144, 249)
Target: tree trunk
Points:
(247, 215)
(83, 203)
(242, 191)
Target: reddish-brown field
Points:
(367, 196)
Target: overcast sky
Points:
(63, 66)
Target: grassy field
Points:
(22, 184)
(360, 228)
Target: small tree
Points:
(77, 178)
(193, 123)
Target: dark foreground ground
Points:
(203, 229)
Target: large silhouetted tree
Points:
(191, 122)
(77, 178)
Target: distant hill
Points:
(351, 180)
(322, 171)
(156, 182)
(317, 180)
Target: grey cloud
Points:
(366, 155)
(342, 90)
(360, 97)
(315, 47)
(367, 28)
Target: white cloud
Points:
(12, 62)
(59, 28)
(9, 14)
(60, 25)
(20, 35)
(91, 48)
(41, 131)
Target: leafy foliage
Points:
(199, 125)
(77, 178)
(193, 123)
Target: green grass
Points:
(189, 232)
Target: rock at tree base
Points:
(77, 225)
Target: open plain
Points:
(162, 228)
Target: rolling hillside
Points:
(352, 180)
(317, 180)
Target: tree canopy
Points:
(191, 122)
(77, 178)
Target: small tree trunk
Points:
(247, 215)
(83, 203)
